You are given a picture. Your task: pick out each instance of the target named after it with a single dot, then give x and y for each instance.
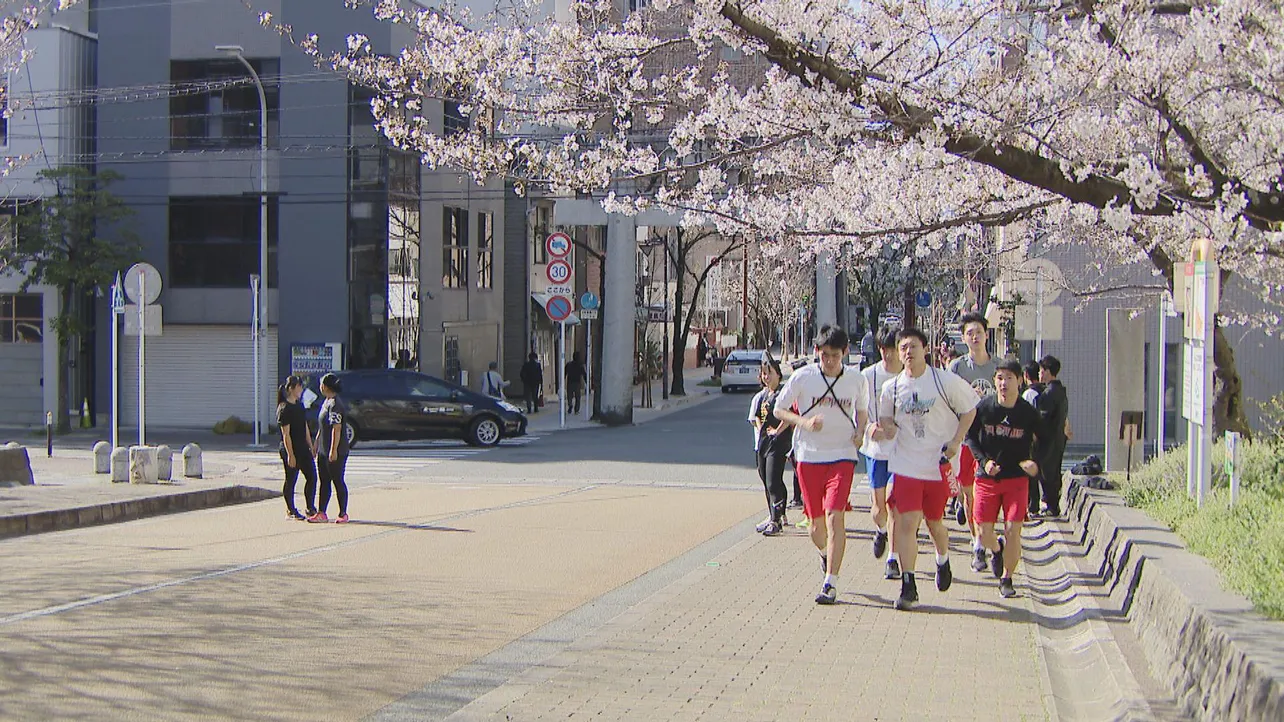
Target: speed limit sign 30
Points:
(558, 272)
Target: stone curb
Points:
(129, 510)
(1222, 660)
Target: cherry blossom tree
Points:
(1148, 122)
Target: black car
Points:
(400, 405)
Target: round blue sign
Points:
(923, 299)
(589, 301)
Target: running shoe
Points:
(796, 504)
(996, 561)
(909, 594)
(318, 518)
(803, 523)
(294, 515)
(343, 519)
(1006, 589)
(960, 515)
(893, 570)
(944, 577)
(828, 594)
(772, 529)
(880, 544)
(978, 560)
(762, 525)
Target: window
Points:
(485, 250)
(214, 241)
(4, 114)
(454, 248)
(222, 117)
(22, 318)
(453, 119)
(426, 387)
(543, 226)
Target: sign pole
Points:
(588, 372)
(116, 308)
(1163, 371)
(142, 361)
(561, 370)
(254, 337)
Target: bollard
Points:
(142, 465)
(119, 465)
(164, 463)
(192, 467)
(49, 432)
(102, 458)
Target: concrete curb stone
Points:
(1222, 659)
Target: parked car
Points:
(397, 405)
(741, 370)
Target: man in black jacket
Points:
(532, 376)
(1053, 406)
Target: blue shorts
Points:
(878, 474)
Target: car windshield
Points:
(745, 357)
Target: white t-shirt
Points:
(1031, 395)
(839, 408)
(875, 378)
(925, 422)
(753, 414)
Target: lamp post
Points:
(260, 311)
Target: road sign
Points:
(922, 299)
(588, 314)
(589, 301)
(558, 272)
(558, 245)
(560, 290)
(1035, 277)
(118, 297)
(143, 278)
(151, 320)
(559, 308)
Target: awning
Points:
(542, 300)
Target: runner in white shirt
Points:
(927, 411)
(876, 452)
(830, 420)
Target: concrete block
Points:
(192, 465)
(120, 465)
(164, 463)
(142, 465)
(102, 458)
(15, 466)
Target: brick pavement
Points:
(741, 639)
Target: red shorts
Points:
(925, 495)
(825, 487)
(967, 467)
(1010, 495)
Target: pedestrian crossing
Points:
(377, 460)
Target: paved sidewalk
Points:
(547, 419)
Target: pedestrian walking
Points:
(493, 384)
(532, 376)
(828, 432)
(1002, 442)
(1053, 406)
(876, 452)
(772, 447)
(976, 368)
(332, 450)
(297, 453)
(927, 411)
(576, 377)
(869, 348)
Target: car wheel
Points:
(353, 436)
(726, 389)
(485, 431)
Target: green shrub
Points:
(1245, 543)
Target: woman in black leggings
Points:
(775, 439)
(332, 449)
(296, 450)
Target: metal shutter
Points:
(22, 398)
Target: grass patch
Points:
(1244, 544)
(714, 383)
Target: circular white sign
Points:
(558, 245)
(143, 283)
(558, 272)
(1038, 274)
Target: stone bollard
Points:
(15, 466)
(192, 467)
(164, 463)
(142, 465)
(119, 465)
(102, 458)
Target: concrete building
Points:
(50, 126)
(373, 261)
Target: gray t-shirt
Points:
(333, 413)
(981, 376)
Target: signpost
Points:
(589, 304)
(1200, 292)
(143, 286)
(117, 309)
(923, 299)
(561, 274)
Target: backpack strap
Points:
(829, 391)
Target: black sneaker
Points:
(944, 577)
(996, 561)
(828, 595)
(978, 560)
(960, 514)
(909, 593)
(893, 570)
(880, 544)
(1006, 590)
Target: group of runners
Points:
(912, 425)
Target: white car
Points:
(741, 370)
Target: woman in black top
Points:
(296, 446)
(332, 450)
(775, 439)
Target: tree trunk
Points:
(681, 327)
(1228, 392)
(63, 418)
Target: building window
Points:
(222, 117)
(453, 119)
(22, 318)
(4, 114)
(486, 250)
(214, 241)
(454, 248)
(543, 226)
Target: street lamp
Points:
(260, 310)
